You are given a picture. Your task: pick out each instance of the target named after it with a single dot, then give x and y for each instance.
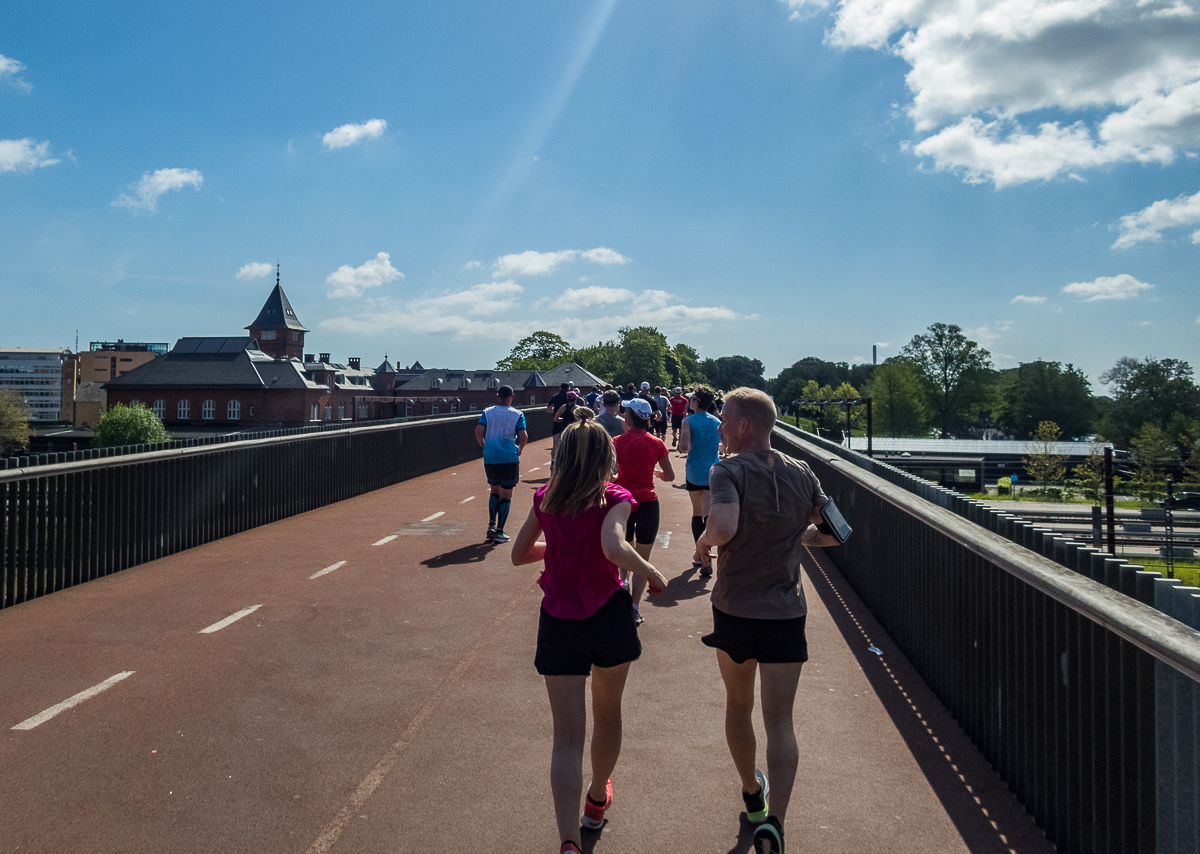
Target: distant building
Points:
(103, 361)
(37, 375)
(90, 402)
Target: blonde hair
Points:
(582, 466)
(755, 406)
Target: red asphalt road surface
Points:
(391, 705)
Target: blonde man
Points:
(763, 508)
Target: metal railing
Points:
(1056, 659)
(64, 523)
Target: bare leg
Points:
(568, 708)
(739, 706)
(608, 684)
(779, 682)
(639, 581)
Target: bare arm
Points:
(559, 414)
(667, 472)
(612, 540)
(720, 529)
(814, 537)
(685, 438)
(526, 548)
(480, 432)
(522, 441)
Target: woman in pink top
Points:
(586, 623)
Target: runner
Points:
(566, 413)
(592, 397)
(554, 404)
(699, 439)
(679, 410)
(762, 505)
(638, 452)
(663, 406)
(586, 624)
(610, 419)
(502, 435)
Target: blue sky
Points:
(773, 178)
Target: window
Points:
(328, 412)
(532, 399)
(234, 410)
(295, 336)
(160, 408)
(474, 406)
(464, 383)
(341, 413)
(208, 410)
(436, 382)
(408, 409)
(453, 406)
(312, 413)
(184, 409)
(493, 383)
(433, 410)
(135, 402)
(267, 335)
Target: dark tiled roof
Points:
(214, 362)
(277, 313)
(90, 392)
(385, 368)
(570, 372)
(451, 379)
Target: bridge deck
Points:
(391, 704)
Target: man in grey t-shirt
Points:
(764, 507)
(609, 419)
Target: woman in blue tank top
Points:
(700, 440)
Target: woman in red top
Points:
(585, 625)
(638, 452)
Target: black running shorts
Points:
(767, 641)
(643, 523)
(606, 639)
(504, 474)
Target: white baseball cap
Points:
(645, 385)
(641, 407)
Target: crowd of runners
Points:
(594, 525)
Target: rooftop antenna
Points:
(276, 274)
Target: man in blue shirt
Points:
(501, 433)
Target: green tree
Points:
(683, 366)
(1148, 391)
(1045, 391)
(604, 360)
(643, 356)
(1088, 476)
(955, 370)
(540, 351)
(729, 372)
(1043, 464)
(898, 400)
(1152, 456)
(129, 425)
(14, 423)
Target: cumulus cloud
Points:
(1110, 81)
(24, 155)
(147, 190)
(1031, 300)
(1150, 222)
(532, 263)
(347, 281)
(254, 270)
(9, 71)
(989, 334)
(582, 298)
(348, 135)
(1121, 287)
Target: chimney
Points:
(325, 358)
(355, 363)
(874, 354)
(308, 357)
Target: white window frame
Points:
(184, 410)
(159, 408)
(233, 410)
(208, 410)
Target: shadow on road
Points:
(687, 585)
(474, 553)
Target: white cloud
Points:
(9, 69)
(1150, 222)
(486, 298)
(1143, 323)
(1110, 81)
(255, 270)
(24, 155)
(883, 343)
(347, 135)
(1031, 300)
(604, 255)
(154, 185)
(347, 281)
(575, 299)
(989, 334)
(532, 263)
(470, 265)
(1122, 287)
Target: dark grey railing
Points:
(64, 523)
(1056, 659)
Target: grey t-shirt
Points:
(759, 569)
(614, 424)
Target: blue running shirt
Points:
(500, 440)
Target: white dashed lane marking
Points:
(664, 537)
(434, 516)
(327, 570)
(41, 718)
(468, 498)
(539, 468)
(386, 540)
(232, 618)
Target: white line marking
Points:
(434, 516)
(468, 498)
(539, 468)
(232, 618)
(664, 537)
(39, 719)
(386, 540)
(327, 570)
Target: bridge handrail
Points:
(1147, 628)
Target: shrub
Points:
(129, 425)
(1004, 486)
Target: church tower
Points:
(276, 328)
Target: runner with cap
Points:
(502, 435)
(679, 410)
(663, 406)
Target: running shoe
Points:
(706, 571)
(500, 537)
(768, 837)
(638, 619)
(491, 532)
(756, 804)
(593, 813)
(569, 848)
